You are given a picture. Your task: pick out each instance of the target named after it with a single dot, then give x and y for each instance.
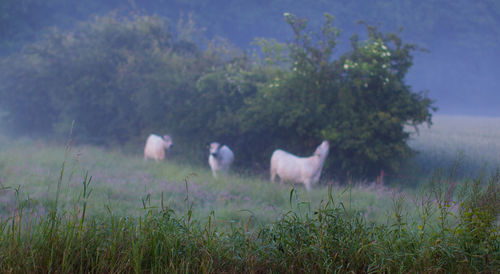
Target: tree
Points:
(116, 77)
(122, 78)
(359, 102)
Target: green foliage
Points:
(359, 102)
(117, 78)
(479, 213)
(120, 79)
(327, 239)
(374, 104)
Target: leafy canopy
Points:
(359, 101)
(121, 79)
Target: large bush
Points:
(121, 79)
(359, 102)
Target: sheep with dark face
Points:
(156, 146)
(220, 159)
(306, 170)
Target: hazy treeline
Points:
(427, 22)
(121, 78)
(460, 70)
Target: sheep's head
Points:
(167, 142)
(214, 148)
(322, 150)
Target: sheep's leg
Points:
(273, 175)
(307, 183)
(214, 173)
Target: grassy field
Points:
(472, 141)
(124, 185)
(240, 223)
(121, 182)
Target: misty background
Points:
(460, 70)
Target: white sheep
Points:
(220, 159)
(156, 146)
(306, 170)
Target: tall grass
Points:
(329, 238)
(122, 182)
(106, 211)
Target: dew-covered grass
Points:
(123, 184)
(472, 141)
(77, 208)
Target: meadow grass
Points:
(328, 238)
(90, 209)
(123, 184)
(472, 141)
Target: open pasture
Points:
(471, 142)
(142, 216)
(124, 184)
